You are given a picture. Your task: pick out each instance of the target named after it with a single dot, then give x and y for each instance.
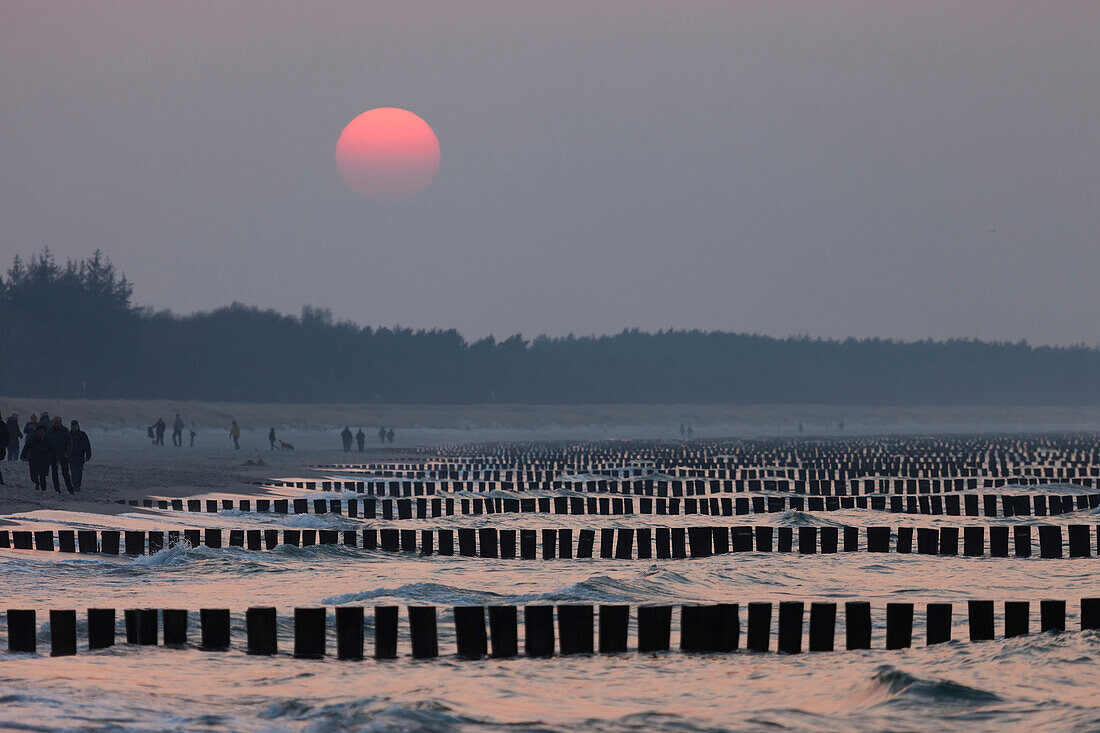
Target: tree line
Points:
(72, 330)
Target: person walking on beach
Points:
(389, 436)
(44, 420)
(38, 453)
(235, 434)
(271, 439)
(81, 453)
(177, 431)
(5, 439)
(345, 436)
(14, 433)
(160, 426)
(62, 443)
(28, 429)
(193, 434)
(360, 439)
(382, 435)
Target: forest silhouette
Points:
(71, 330)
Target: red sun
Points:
(388, 155)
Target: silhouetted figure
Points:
(5, 440)
(14, 434)
(38, 452)
(800, 428)
(159, 427)
(177, 431)
(271, 439)
(28, 429)
(360, 439)
(81, 453)
(389, 435)
(193, 434)
(44, 421)
(345, 436)
(690, 432)
(382, 435)
(62, 444)
(235, 434)
(683, 431)
(840, 426)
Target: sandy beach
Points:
(648, 421)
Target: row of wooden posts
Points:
(675, 487)
(622, 543)
(703, 628)
(990, 505)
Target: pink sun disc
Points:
(388, 155)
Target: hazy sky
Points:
(917, 169)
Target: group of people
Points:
(361, 437)
(48, 447)
(156, 432)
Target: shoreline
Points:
(642, 420)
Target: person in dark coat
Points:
(345, 436)
(160, 427)
(62, 444)
(360, 439)
(177, 431)
(44, 420)
(272, 440)
(389, 435)
(38, 452)
(14, 433)
(382, 434)
(81, 453)
(28, 429)
(4, 440)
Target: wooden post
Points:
(538, 622)
(790, 626)
(385, 632)
(174, 621)
(981, 620)
(654, 628)
(470, 637)
(937, 623)
(62, 633)
(349, 632)
(759, 631)
(614, 621)
(503, 631)
(1052, 615)
(22, 630)
(575, 629)
(422, 629)
(899, 625)
(101, 628)
(1016, 618)
(214, 628)
(822, 627)
(857, 624)
(262, 631)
